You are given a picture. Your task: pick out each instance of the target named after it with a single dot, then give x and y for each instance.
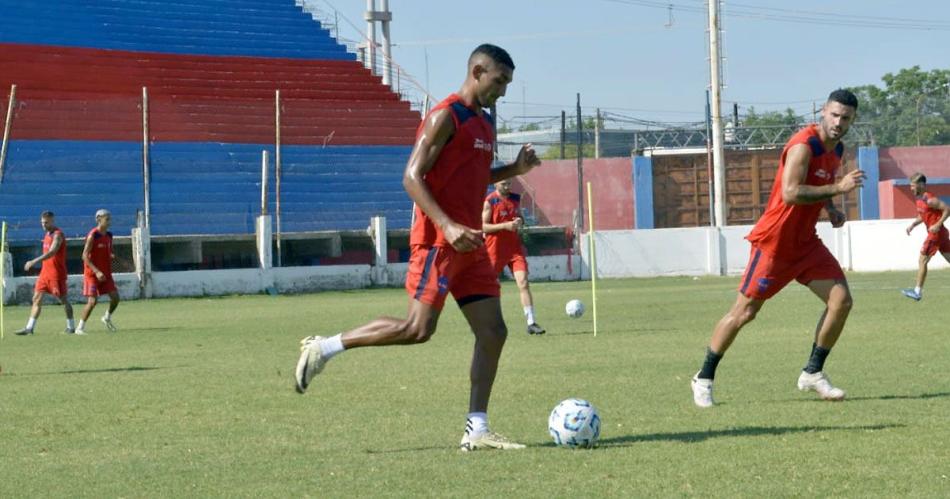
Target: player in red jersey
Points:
(932, 212)
(52, 279)
(447, 175)
(501, 219)
(785, 246)
(97, 259)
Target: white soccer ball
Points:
(574, 309)
(574, 423)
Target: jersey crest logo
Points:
(822, 174)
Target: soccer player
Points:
(97, 259)
(447, 175)
(53, 274)
(785, 246)
(501, 219)
(932, 212)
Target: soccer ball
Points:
(574, 309)
(574, 423)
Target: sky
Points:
(648, 59)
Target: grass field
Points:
(194, 398)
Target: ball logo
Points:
(443, 284)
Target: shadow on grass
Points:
(747, 431)
(922, 396)
(685, 437)
(95, 371)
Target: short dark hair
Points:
(845, 97)
(918, 177)
(495, 52)
(47, 214)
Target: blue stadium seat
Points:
(200, 188)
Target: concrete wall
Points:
(902, 162)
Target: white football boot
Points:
(820, 383)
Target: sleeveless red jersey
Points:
(54, 267)
(929, 215)
(461, 174)
(787, 231)
(101, 254)
(503, 209)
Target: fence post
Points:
(146, 165)
(7, 124)
(277, 173)
(377, 229)
(142, 256)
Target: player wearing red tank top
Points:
(52, 279)
(501, 219)
(447, 175)
(785, 246)
(932, 212)
(97, 259)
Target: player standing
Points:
(501, 219)
(932, 212)
(97, 259)
(785, 246)
(52, 279)
(447, 175)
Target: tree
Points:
(913, 107)
(771, 118)
(570, 151)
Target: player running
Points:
(785, 246)
(501, 219)
(97, 259)
(932, 212)
(447, 175)
(52, 279)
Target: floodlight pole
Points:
(719, 171)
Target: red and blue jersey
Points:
(55, 266)
(930, 216)
(787, 231)
(101, 252)
(503, 209)
(461, 174)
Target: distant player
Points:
(785, 246)
(97, 259)
(447, 175)
(932, 212)
(53, 274)
(501, 219)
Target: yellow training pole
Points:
(3, 259)
(593, 254)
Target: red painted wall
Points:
(902, 162)
(554, 186)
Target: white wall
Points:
(876, 245)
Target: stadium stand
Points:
(211, 68)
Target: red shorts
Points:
(52, 285)
(94, 287)
(940, 242)
(513, 260)
(435, 271)
(765, 275)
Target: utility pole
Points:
(719, 170)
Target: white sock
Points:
(108, 315)
(70, 324)
(477, 423)
(30, 323)
(82, 325)
(529, 314)
(331, 346)
(918, 289)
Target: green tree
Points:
(912, 108)
(570, 151)
(770, 118)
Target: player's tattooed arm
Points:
(796, 191)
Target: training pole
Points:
(3, 260)
(593, 253)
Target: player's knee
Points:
(415, 332)
(842, 303)
(747, 314)
(497, 333)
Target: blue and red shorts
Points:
(935, 242)
(766, 275)
(435, 271)
(94, 287)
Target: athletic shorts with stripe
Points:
(435, 271)
(51, 285)
(94, 287)
(515, 261)
(934, 242)
(766, 275)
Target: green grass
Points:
(194, 398)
